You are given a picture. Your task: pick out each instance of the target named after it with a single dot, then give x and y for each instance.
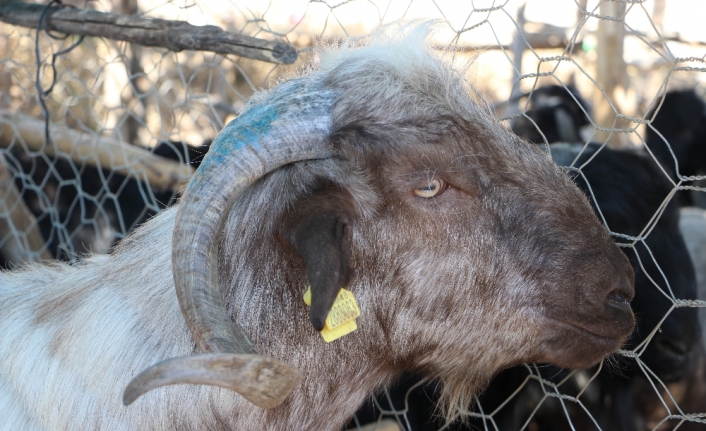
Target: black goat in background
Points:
(681, 123)
(90, 204)
(555, 112)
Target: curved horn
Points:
(290, 125)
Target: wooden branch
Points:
(611, 74)
(107, 153)
(17, 218)
(173, 35)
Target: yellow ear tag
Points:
(341, 319)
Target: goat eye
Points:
(434, 188)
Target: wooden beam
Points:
(611, 73)
(109, 154)
(173, 35)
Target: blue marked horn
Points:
(291, 124)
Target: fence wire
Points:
(80, 118)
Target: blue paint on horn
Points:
(247, 129)
(253, 124)
(250, 127)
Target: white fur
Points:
(439, 294)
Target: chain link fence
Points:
(97, 134)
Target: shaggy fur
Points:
(507, 265)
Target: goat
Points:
(554, 114)
(183, 152)
(377, 172)
(692, 222)
(87, 216)
(628, 188)
(685, 397)
(678, 128)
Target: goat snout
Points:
(668, 353)
(617, 301)
(672, 351)
(603, 304)
(673, 347)
(619, 298)
(611, 301)
(600, 320)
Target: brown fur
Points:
(507, 265)
(468, 270)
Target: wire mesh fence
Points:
(97, 134)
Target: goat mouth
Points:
(601, 336)
(605, 326)
(572, 345)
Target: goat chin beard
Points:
(457, 396)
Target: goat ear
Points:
(320, 234)
(323, 243)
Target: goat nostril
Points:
(619, 298)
